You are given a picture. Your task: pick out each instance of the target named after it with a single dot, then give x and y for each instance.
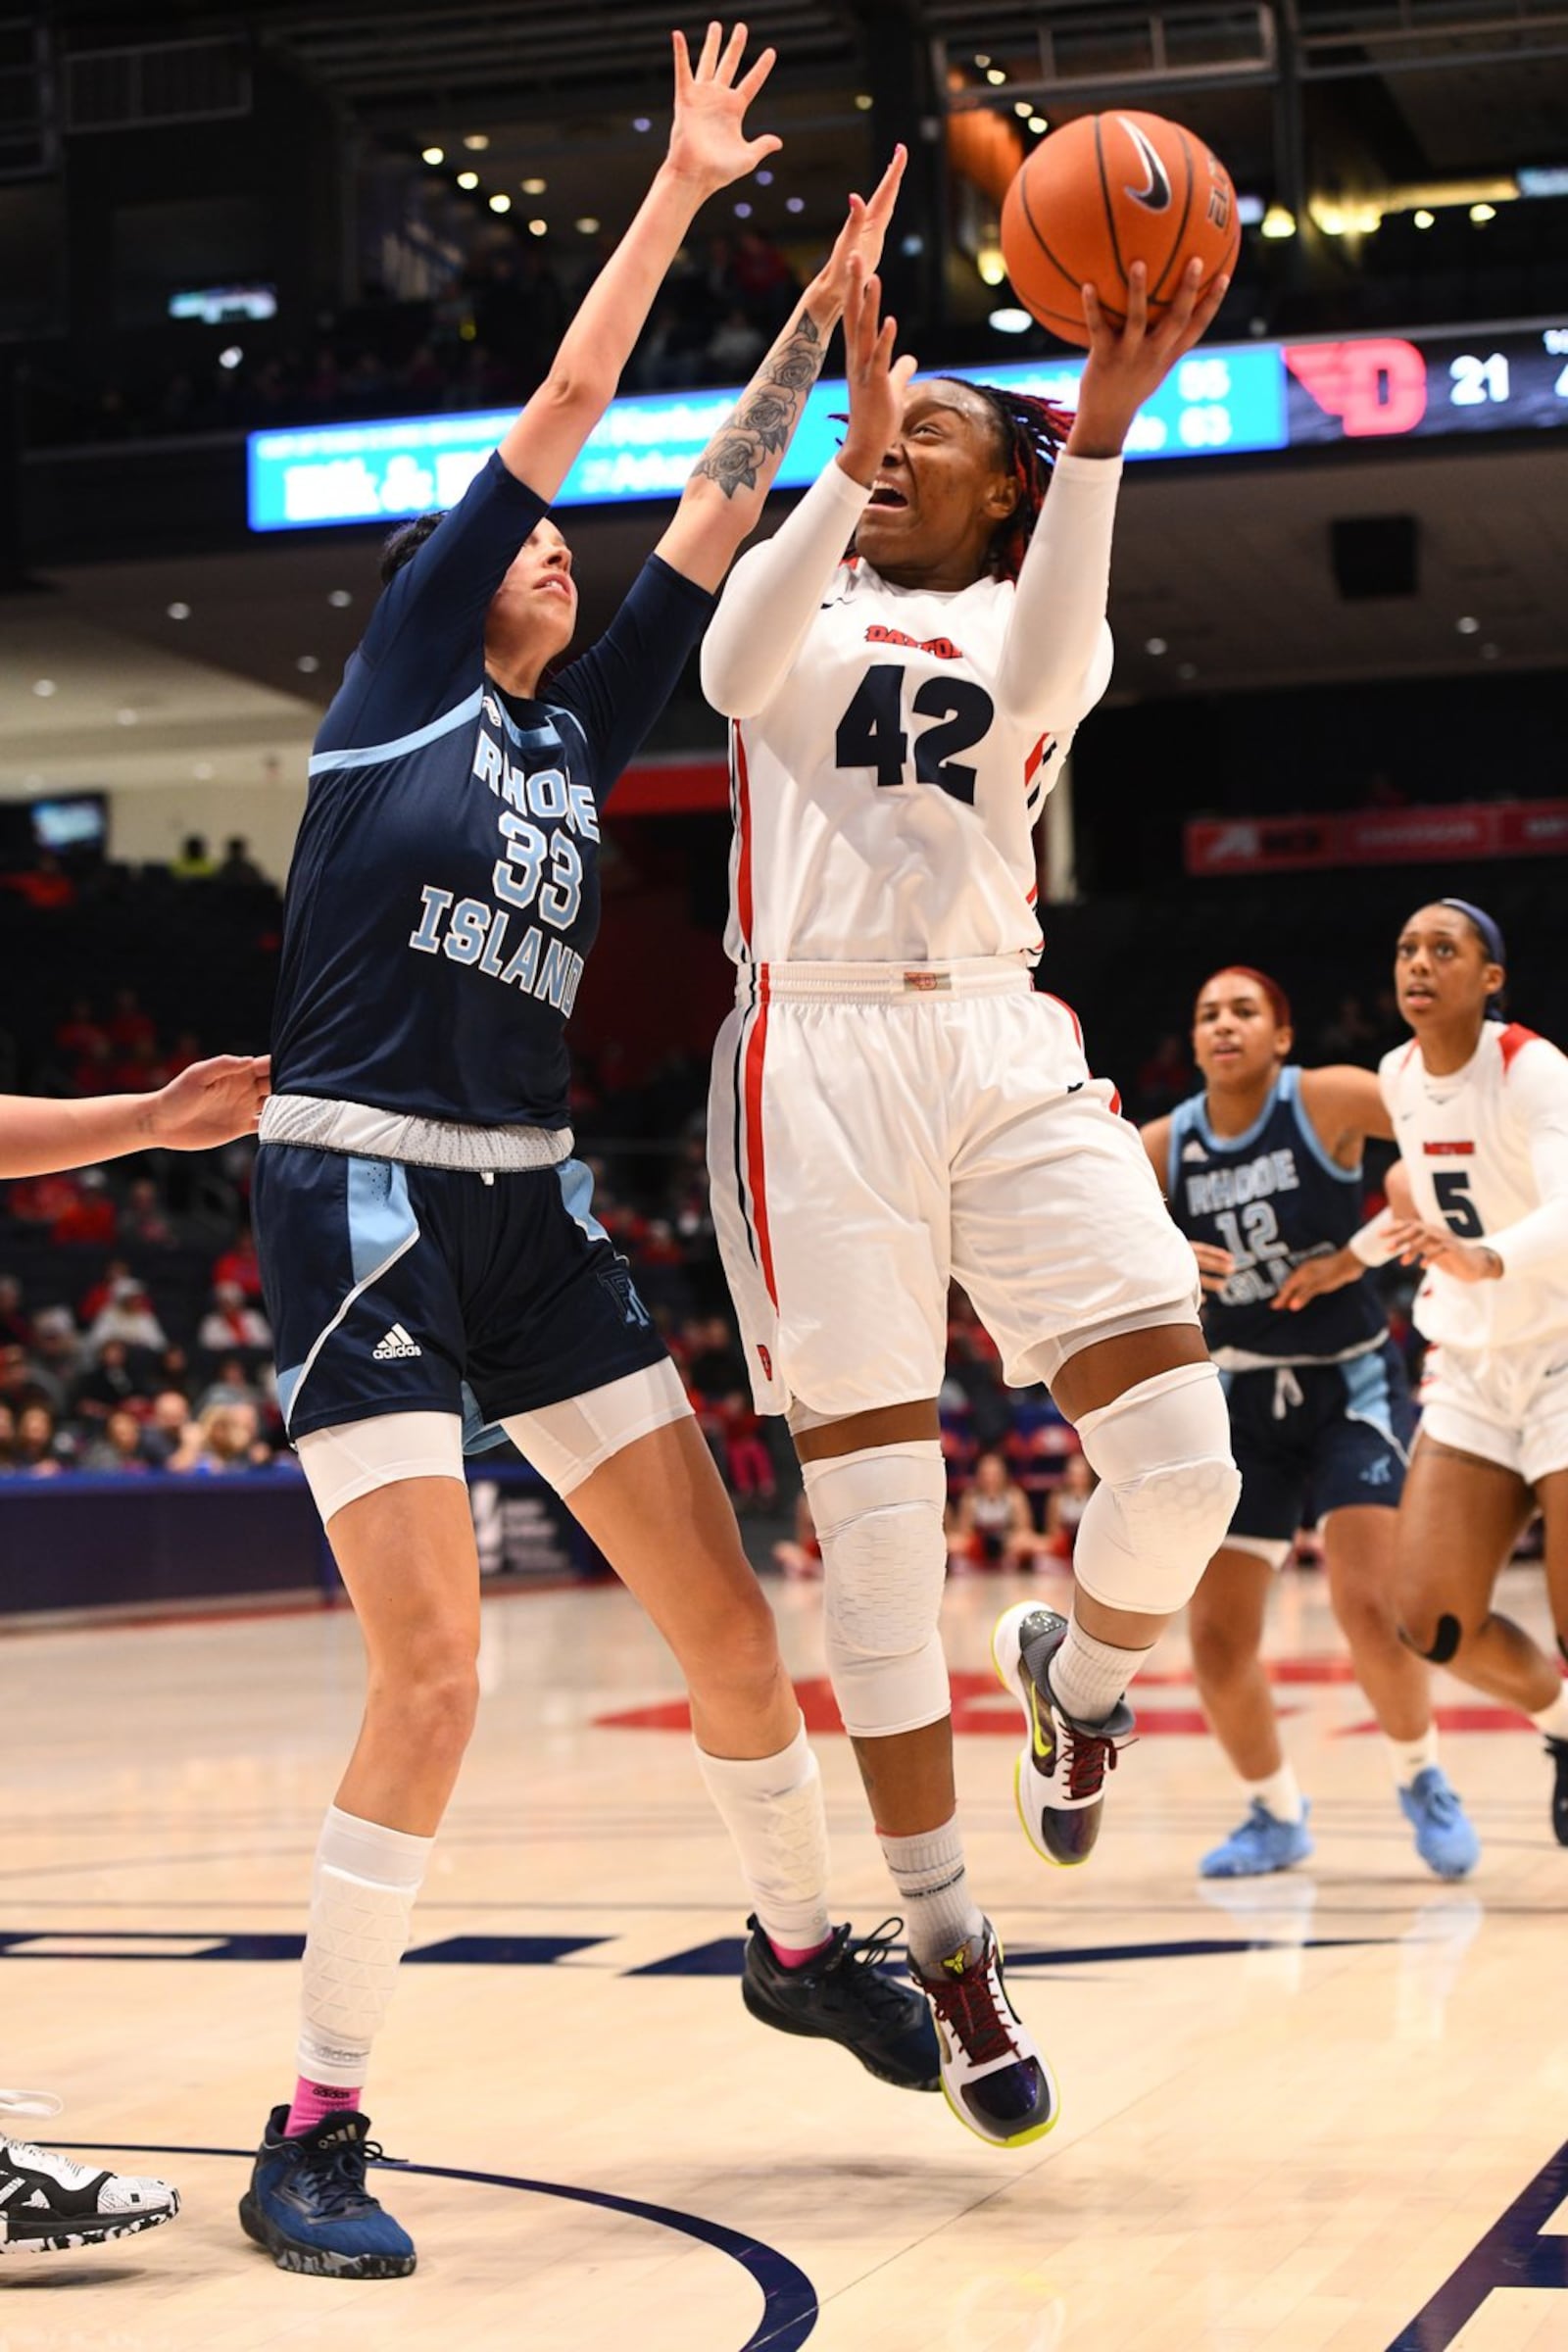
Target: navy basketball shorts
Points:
(1318, 1437)
(397, 1289)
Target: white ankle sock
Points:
(1553, 1720)
(939, 1912)
(1088, 1676)
(363, 1892)
(772, 1809)
(1410, 1758)
(1280, 1794)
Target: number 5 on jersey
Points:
(872, 734)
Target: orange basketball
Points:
(1104, 192)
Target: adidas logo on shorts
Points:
(396, 1342)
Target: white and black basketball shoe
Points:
(49, 2204)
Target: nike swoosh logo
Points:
(1155, 194)
(1045, 1749)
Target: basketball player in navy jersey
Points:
(48, 2203)
(427, 1242)
(1262, 1172)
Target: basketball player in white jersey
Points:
(49, 2204)
(1480, 1110)
(895, 1106)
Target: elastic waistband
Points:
(1242, 1359)
(371, 1134)
(879, 983)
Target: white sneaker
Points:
(993, 2076)
(49, 2204)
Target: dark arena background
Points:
(273, 278)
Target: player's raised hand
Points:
(707, 141)
(877, 380)
(211, 1102)
(1128, 364)
(862, 235)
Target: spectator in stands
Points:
(45, 884)
(715, 1367)
(735, 345)
(16, 1326)
(8, 1442)
(239, 869)
(232, 1384)
(142, 1219)
(107, 1386)
(43, 1449)
(747, 1465)
(118, 1448)
(79, 1035)
(239, 1265)
(195, 861)
(167, 1428)
(55, 1353)
(991, 1525)
(84, 1208)
(223, 1440)
(230, 1327)
(130, 1027)
(19, 1387)
(128, 1315)
(1065, 1505)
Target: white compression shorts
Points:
(565, 1442)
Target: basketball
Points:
(1104, 192)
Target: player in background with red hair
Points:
(1262, 1172)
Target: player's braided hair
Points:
(401, 546)
(1030, 432)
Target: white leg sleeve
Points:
(1168, 1489)
(361, 1899)
(878, 1518)
(772, 1808)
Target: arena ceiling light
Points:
(433, 156)
(533, 187)
(1010, 321)
(468, 179)
(501, 203)
(1278, 222)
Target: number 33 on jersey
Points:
(884, 804)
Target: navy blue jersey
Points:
(445, 885)
(1273, 1197)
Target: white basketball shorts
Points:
(1507, 1404)
(875, 1131)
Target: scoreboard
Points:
(1223, 400)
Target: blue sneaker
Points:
(309, 2206)
(1444, 1839)
(1261, 1844)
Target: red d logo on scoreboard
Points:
(1376, 384)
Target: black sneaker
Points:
(1557, 1750)
(843, 1995)
(309, 2206)
(50, 2205)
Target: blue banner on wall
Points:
(1219, 401)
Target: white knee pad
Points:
(878, 1516)
(1167, 1494)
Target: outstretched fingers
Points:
(707, 63)
(758, 74)
(886, 192)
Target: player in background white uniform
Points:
(894, 1105)
(49, 2204)
(1480, 1110)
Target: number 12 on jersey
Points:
(872, 732)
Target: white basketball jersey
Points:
(1468, 1143)
(884, 806)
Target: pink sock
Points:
(788, 1957)
(314, 2102)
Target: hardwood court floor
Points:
(1291, 2111)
